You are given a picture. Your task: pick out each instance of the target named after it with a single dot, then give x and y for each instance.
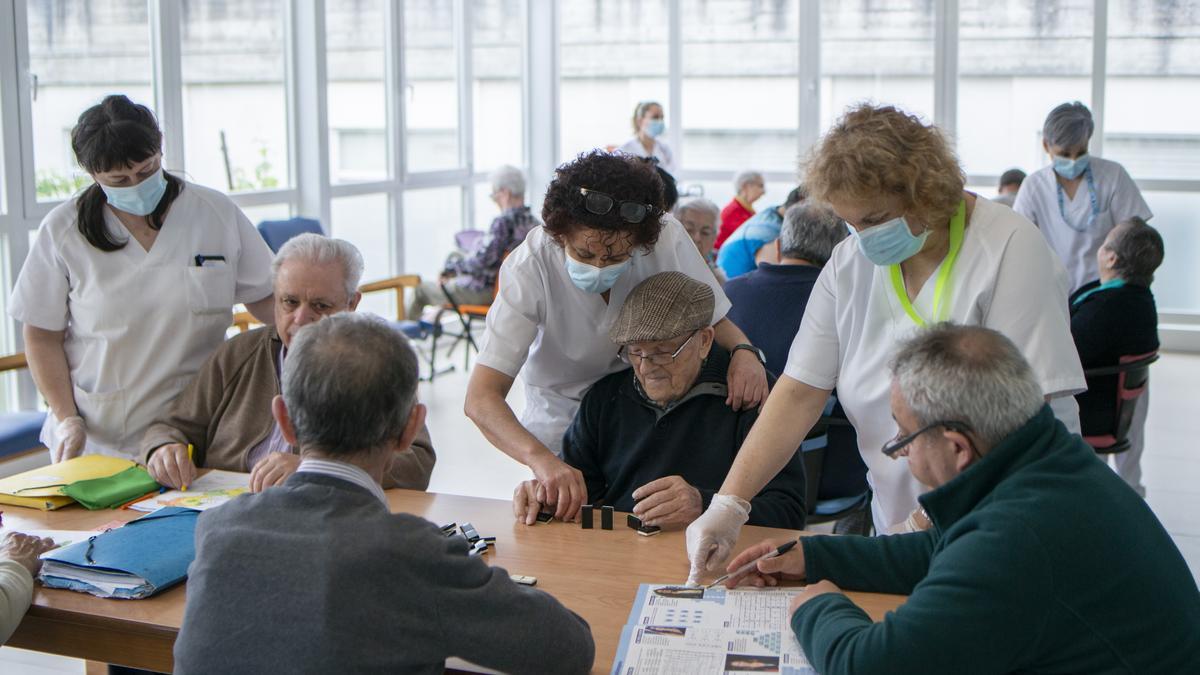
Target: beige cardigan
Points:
(226, 411)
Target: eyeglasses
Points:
(897, 444)
(601, 204)
(659, 359)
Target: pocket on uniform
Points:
(210, 289)
(105, 414)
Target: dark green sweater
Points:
(1040, 559)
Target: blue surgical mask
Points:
(655, 128)
(590, 279)
(890, 243)
(1071, 168)
(140, 199)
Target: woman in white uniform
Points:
(1079, 198)
(648, 128)
(129, 286)
(924, 251)
(561, 291)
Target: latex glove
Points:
(70, 436)
(711, 537)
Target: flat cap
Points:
(664, 306)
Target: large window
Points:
(79, 52)
(496, 38)
(431, 95)
(740, 88)
(431, 217)
(876, 52)
(355, 34)
(613, 54)
(1017, 60)
(235, 94)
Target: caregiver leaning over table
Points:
(129, 286)
(924, 251)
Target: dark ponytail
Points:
(114, 134)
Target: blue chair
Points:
(843, 497)
(277, 232)
(19, 431)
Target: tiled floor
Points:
(468, 465)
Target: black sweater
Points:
(620, 442)
(1107, 325)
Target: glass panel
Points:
(496, 68)
(431, 217)
(613, 54)
(721, 192)
(357, 97)
(1017, 60)
(878, 52)
(79, 52)
(1177, 282)
(235, 94)
(1151, 124)
(740, 112)
(431, 99)
(364, 221)
(257, 214)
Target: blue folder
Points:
(138, 560)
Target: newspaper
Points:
(675, 629)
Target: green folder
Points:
(112, 491)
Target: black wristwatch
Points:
(758, 353)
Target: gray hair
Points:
(742, 177)
(509, 178)
(700, 205)
(1139, 251)
(318, 249)
(1068, 126)
(967, 374)
(809, 232)
(349, 383)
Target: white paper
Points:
(61, 537)
(208, 491)
(738, 631)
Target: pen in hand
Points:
(754, 563)
(191, 449)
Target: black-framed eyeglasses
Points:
(601, 204)
(897, 444)
(659, 359)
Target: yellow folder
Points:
(42, 488)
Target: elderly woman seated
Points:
(657, 439)
(701, 218)
(225, 412)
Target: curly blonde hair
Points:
(875, 150)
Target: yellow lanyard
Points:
(941, 306)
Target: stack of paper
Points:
(43, 488)
(692, 630)
(208, 491)
(134, 561)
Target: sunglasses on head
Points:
(601, 204)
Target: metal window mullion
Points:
(808, 54)
(308, 119)
(394, 80)
(24, 103)
(466, 113)
(542, 95)
(1099, 73)
(945, 67)
(675, 80)
(167, 58)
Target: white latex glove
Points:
(70, 436)
(711, 537)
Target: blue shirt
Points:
(736, 256)
(768, 305)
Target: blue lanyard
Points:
(1062, 209)
(1115, 283)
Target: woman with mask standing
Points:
(560, 292)
(129, 286)
(923, 251)
(1079, 198)
(648, 128)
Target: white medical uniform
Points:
(666, 159)
(1006, 278)
(139, 323)
(1073, 240)
(556, 336)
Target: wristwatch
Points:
(758, 353)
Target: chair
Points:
(416, 331)
(277, 232)
(1133, 375)
(851, 514)
(467, 315)
(19, 431)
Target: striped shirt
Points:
(346, 472)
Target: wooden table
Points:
(594, 572)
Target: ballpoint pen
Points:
(754, 563)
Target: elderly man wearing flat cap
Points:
(657, 439)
